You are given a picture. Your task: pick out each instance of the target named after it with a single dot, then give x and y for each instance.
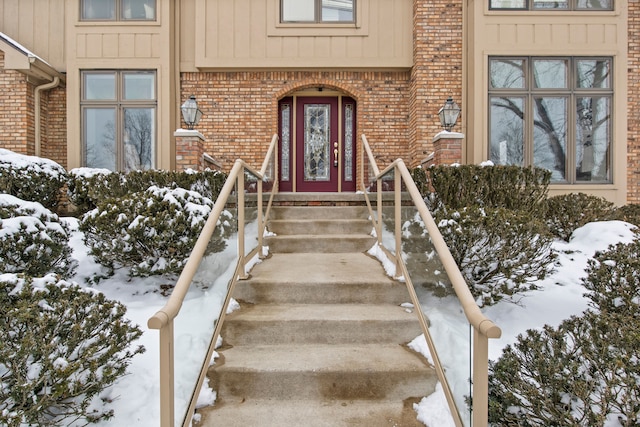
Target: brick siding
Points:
(17, 128)
(633, 113)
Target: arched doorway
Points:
(317, 131)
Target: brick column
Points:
(447, 149)
(189, 150)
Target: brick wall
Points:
(54, 125)
(16, 111)
(240, 109)
(633, 113)
(437, 70)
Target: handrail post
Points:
(240, 207)
(261, 225)
(379, 219)
(167, 400)
(397, 204)
(480, 379)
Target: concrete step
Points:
(320, 324)
(318, 278)
(322, 243)
(265, 412)
(319, 212)
(320, 226)
(353, 372)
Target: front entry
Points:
(317, 145)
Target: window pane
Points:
(595, 4)
(550, 135)
(285, 120)
(100, 86)
(507, 131)
(298, 11)
(550, 73)
(337, 10)
(549, 4)
(594, 73)
(139, 138)
(139, 86)
(98, 9)
(508, 4)
(593, 123)
(99, 136)
(506, 73)
(138, 9)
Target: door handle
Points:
(335, 154)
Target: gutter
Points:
(37, 101)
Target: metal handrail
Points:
(483, 327)
(163, 318)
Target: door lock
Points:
(335, 154)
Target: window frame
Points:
(572, 93)
(572, 6)
(118, 13)
(318, 15)
(120, 104)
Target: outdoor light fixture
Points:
(449, 114)
(190, 112)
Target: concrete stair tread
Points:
(317, 268)
(326, 312)
(347, 358)
(311, 413)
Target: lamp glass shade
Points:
(190, 112)
(449, 114)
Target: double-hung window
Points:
(551, 5)
(118, 10)
(119, 119)
(317, 11)
(554, 113)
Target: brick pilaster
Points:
(189, 150)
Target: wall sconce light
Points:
(191, 114)
(449, 114)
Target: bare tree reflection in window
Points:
(139, 130)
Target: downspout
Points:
(46, 86)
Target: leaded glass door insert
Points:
(317, 142)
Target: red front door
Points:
(320, 155)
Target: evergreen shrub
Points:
(568, 212)
(500, 252)
(33, 240)
(31, 178)
(88, 187)
(629, 213)
(585, 372)
(60, 347)
(508, 187)
(150, 232)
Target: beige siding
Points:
(38, 25)
(492, 33)
(247, 34)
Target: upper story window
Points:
(317, 11)
(551, 5)
(118, 10)
(554, 113)
(119, 119)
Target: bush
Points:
(629, 213)
(508, 187)
(88, 187)
(150, 232)
(566, 213)
(499, 252)
(585, 371)
(31, 178)
(60, 346)
(33, 241)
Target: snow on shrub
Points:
(89, 186)
(33, 241)
(31, 178)
(585, 372)
(150, 232)
(500, 252)
(61, 346)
